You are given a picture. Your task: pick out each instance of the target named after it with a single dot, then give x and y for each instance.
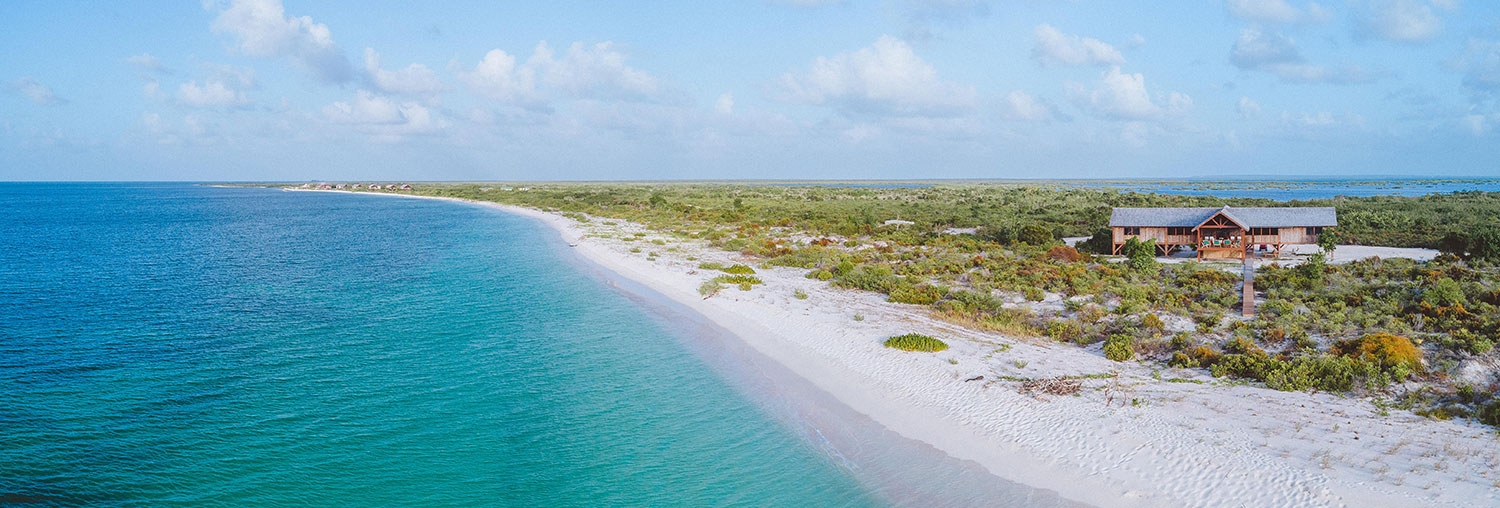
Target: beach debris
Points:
(1051, 386)
(975, 378)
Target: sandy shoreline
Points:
(1146, 437)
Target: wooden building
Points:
(1221, 233)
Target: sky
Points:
(294, 90)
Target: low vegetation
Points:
(1358, 327)
(916, 342)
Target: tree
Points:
(1102, 242)
(1140, 255)
(1455, 243)
(1484, 244)
(1035, 234)
(999, 234)
(1328, 241)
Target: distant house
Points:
(340, 186)
(406, 186)
(1221, 233)
(306, 185)
(374, 186)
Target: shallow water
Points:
(174, 345)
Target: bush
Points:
(1033, 234)
(998, 234)
(799, 294)
(1066, 330)
(1103, 242)
(820, 275)
(916, 295)
(1034, 294)
(1387, 351)
(1119, 347)
(916, 342)
(1490, 413)
(709, 288)
(740, 270)
(1140, 255)
(1064, 253)
(1151, 322)
(1444, 293)
(709, 265)
(737, 279)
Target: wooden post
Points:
(1248, 296)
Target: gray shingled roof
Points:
(1280, 217)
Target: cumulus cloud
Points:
(262, 28)
(212, 93)
(887, 78)
(1019, 105)
(1248, 108)
(415, 79)
(583, 72)
(1277, 11)
(1278, 55)
(34, 90)
(1122, 96)
(1056, 48)
(383, 118)
(1409, 21)
(1480, 65)
(147, 63)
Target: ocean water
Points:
(176, 345)
(1288, 191)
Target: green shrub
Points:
(1035, 294)
(709, 265)
(843, 267)
(1141, 255)
(710, 288)
(740, 270)
(1490, 413)
(1151, 322)
(1066, 330)
(820, 275)
(916, 295)
(737, 279)
(800, 294)
(1119, 347)
(916, 342)
(1033, 234)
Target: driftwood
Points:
(1051, 386)
(975, 378)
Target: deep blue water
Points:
(1287, 191)
(176, 345)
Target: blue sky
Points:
(298, 90)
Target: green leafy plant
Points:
(916, 342)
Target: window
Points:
(1265, 231)
(1179, 231)
(1132, 231)
(1313, 231)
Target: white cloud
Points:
(1276, 11)
(725, 104)
(262, 28)
(34, 90)
(415, 79)
(1254, 49)
(497, 76)
(1278, 55)
(147, 63)
(1122, 96)
(1410, 21)
(1475, 124)
(1019, 105)
(1480, 65)
(382, 118)
(583, 72)
(1056, 48)
(1248, 108)
(213, 93)
(596, 71)
(887, 78)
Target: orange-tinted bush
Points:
(1382, 349)
(1064, 253)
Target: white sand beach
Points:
(1138, 435)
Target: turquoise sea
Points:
(180, 345)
